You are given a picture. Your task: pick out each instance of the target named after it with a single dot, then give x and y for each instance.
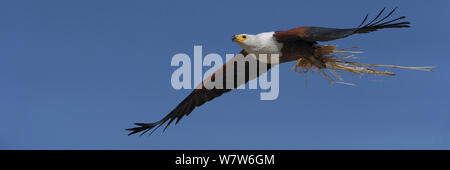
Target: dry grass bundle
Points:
(336, 60)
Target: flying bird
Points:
(297, 43)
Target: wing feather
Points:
(313, 34)
(195, 99)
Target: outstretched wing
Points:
(199, 96)
(313, 34)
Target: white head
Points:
(246, 41)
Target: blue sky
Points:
(75, 74)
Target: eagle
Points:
(290, 45)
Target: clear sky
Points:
(75, 74)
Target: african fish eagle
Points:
(291, 45)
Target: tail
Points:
(142, 127)
(375, 25)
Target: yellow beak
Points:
(237, 38)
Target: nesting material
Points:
(337, 60)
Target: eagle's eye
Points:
(244, 36)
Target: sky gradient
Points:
(75, 74)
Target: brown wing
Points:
(313, 34)
(197, 97)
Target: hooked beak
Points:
(234, 38)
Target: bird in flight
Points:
(298, 43)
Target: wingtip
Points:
(145, 127)
(131, 133)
